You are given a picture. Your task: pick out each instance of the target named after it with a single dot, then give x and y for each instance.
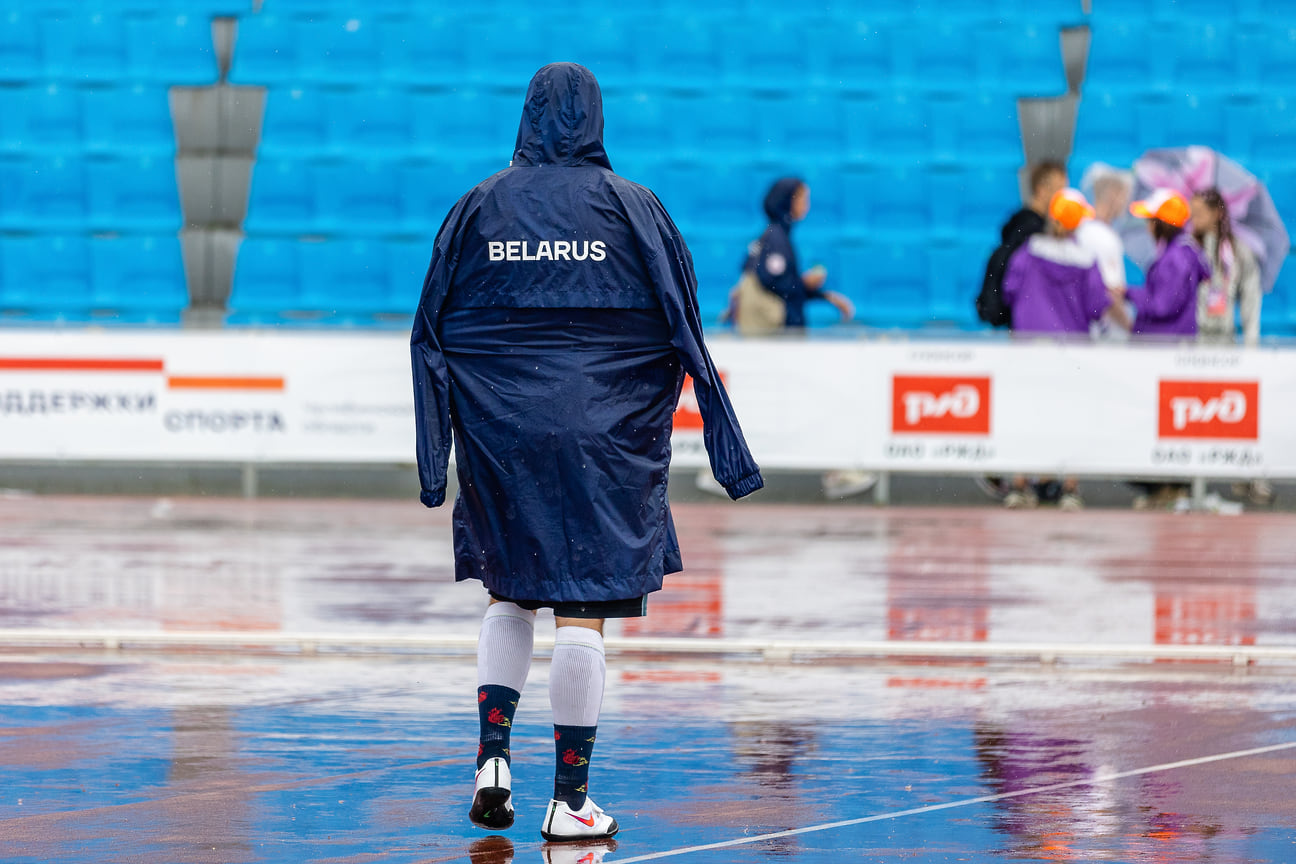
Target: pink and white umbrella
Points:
(1189, 170)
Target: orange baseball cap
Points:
(1164, 204)
(1069, 208)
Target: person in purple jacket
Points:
(1167, 303)
(1054, 286)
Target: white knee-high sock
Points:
(504, 646)
(576, 676)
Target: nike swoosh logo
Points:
(588, 822)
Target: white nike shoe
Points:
(492, 807)
(588, 823)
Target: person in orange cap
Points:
(1053, 283)
(1166, 305)
(1054, 286)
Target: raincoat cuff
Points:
(745, 486)
(432, 498)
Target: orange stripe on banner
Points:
(80, 364)
(207, 383)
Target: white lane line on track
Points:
(962, 802)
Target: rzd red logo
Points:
(1210, 409)
(939, 405)
(687, 413)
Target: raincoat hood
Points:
(562, 120)
(778, 200)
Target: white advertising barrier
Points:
(906, 406)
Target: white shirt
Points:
(1103, 241)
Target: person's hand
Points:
(844, 305)
(814, 278)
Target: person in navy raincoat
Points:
(773, 258)
(557, 321)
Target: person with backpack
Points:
(1046, 180)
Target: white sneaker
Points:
(1021, 500)
(588, 823)
(843, 484)
(492, 807)
(1071, 501)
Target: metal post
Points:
(882, 491)
(249, 480)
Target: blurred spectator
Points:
(1167, 303)
(1054, 285)
(1110, 190)
(1046, 179)
(772, 293)
(1232, 292)
(771, 297)
(1234, 283)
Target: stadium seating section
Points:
(379, 114)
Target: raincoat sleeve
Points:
(670, 267)
(431, 378)
(1176, 285)
(776, 265)
(1012, 280)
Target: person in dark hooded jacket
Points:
(558, 318)
(1046, 180)
(773, 259)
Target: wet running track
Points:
(273, 748)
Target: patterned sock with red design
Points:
(496, 706)
(574, 746)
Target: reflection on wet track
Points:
(247, 756)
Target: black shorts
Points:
(635, 607)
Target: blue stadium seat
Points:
(470, 121)
(41, 119)
(683, 52)
(898, 127)
(347, 278)
(139, 278)
(343, 48)
(709, 193)
(811, 124)
(1271, 124)
(267, 281)
(608, 48)
(375, 121)
(130, 119)
(429, 188)
(285, 197)
(84, 47)
(45, 276)
(957, 270)
(1023, 55)
(133, 193)
(266, 51)
(979, 125)
(973, 200)
(20, 55)
(362, 197)
(885, 197)
(771, 53)
(433, 49)
(633, 123)
(1269, 52)
(855, 55)
(172, 47)
(1206, 55)
(1109, 128)
(889, 280)
(711, 125)
(940, 53)
(43, 193)
(1119, 56)
(297, 122)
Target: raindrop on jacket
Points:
(558, 317)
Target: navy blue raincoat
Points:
(773, 257)
(558, 317)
